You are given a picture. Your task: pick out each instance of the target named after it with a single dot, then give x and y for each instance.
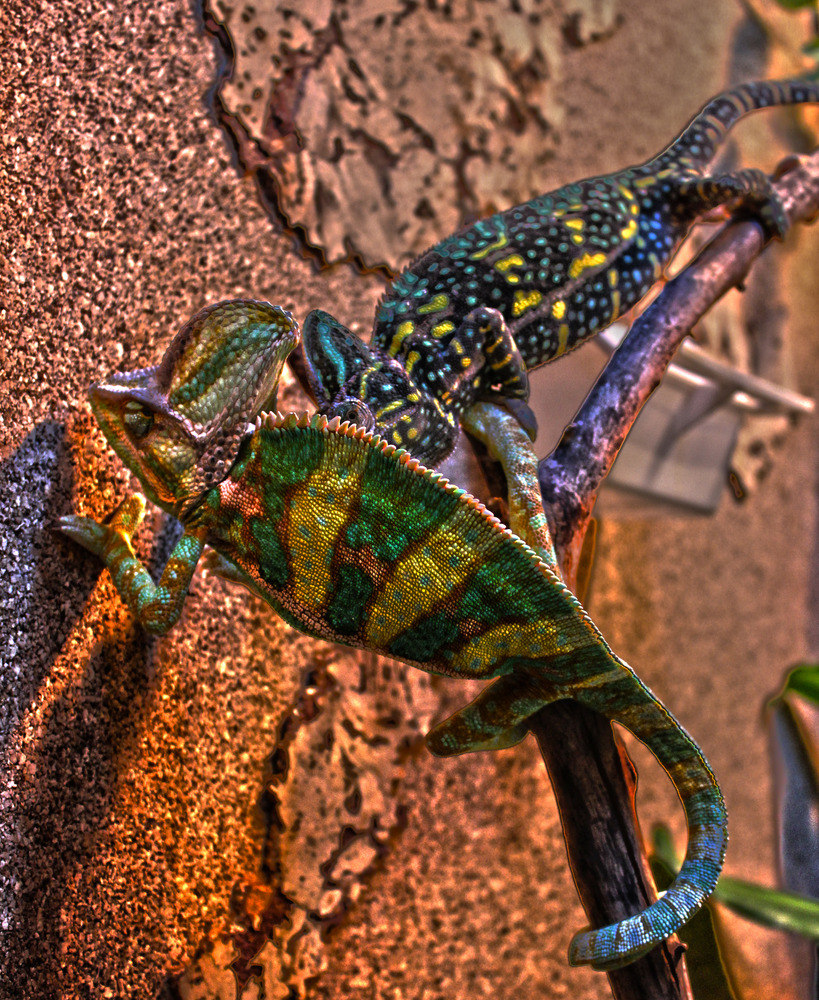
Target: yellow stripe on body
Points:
(562, 339)
(513, 260)
(503, 239)
(580, 264)
(436, 304)
(365, 378)
(319, 509)
(530, 639)
(505, 266)
(525, 300)
(385, 411)
(441, 329)
(401, 334)
(422, 579)
(628, 231)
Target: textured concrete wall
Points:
(157, 794)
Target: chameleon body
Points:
(354, 541)
(468, 318)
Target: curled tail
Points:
(635, 707)
(696, 145)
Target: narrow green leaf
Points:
(770, 907)
(803, 679)
(796, 4)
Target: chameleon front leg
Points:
(156, 606)
(493, 720)
(479, 355)
(509, 443)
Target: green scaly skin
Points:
(354, 541)
(471, 316)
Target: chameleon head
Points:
(178, 425)
(365, 387)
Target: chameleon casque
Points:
(468, 318)
(353, 540)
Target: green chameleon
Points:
(472, 315)
(352, 540)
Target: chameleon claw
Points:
(98, 538)
(85, 531)
(129, 515)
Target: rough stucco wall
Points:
(133, 768)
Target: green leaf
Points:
(706, 969)
(803, 680)
(770, 907)
(796, 4)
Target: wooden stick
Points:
(592, 778)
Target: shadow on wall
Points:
(67, 718)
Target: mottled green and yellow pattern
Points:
(354, 541)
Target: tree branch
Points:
(592, 778)
(571, 477)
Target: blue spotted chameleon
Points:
(354, 541)
(471, 316)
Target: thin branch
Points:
(591, 776)
(572, 475)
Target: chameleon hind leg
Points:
(751, 188)
(491, 722)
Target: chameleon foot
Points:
(101, 538)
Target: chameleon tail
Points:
(635, 707)
(697, 144)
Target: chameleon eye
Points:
(355, 411)
(137, 418)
